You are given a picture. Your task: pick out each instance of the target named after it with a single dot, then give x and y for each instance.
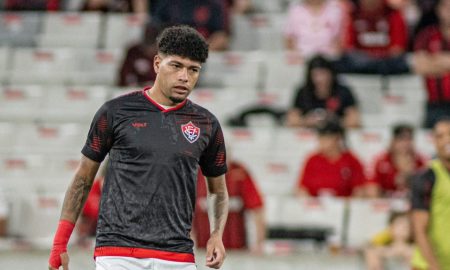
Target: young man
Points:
(332, 169)
(156, 138)
(430, 204)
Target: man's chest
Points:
(162, 135)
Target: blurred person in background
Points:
(32, 5)
(376, 37)
(137, 67)
(432, 60)
(245, 198)
(123, 6)
(430, 205)
(323, 98)
(394, 167)
(395, 242)
(315, 27)
(332, 170)
(209, 17)
(4, 214)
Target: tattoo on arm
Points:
(218, 197)
(76, 197)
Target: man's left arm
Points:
(218, 200)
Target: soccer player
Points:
(156, 139)
(430, 204)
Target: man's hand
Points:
(64, 262)
(215, 252)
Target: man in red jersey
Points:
(333, 169)
(244, 198)
(432, 53)
(393, 168)
(156, 140)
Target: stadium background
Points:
(57, 68)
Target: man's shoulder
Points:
(202, 110)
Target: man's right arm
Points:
(420, 220)
(421, 191)
(74, 200)
(78, 191)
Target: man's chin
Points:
(177, 100)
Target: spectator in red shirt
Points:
(137, 67)
(376, 38)
(432, 60)
(393, 168)
(244, 197)
(333, 169)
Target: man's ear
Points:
(156, 63)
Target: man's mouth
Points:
(183, 88)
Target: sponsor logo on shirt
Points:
(139, 124)
(190, 132)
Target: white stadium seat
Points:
(5, 63)
(19, 29)
(77, 30)
(41, 66)
(21, 103)
(123, 30)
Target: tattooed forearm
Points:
(75, 197)
(219, 203)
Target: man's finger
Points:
(209, 254)
(65, 261)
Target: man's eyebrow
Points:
(179, 63)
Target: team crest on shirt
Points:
(190, 132)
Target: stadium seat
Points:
(424, 143)
(50, 138)
(74, 103)
(367, 89)
(8, 137)
(315, 213)
(5, 63)
(78, 30)
(96, 67)
(224, 102)
(233, 69)
(123, 30)
(283, 74)
(268, 6)
(19, 29)
(41, 66)
(366, 218)
(368, 143)
(21, 103)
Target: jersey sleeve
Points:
(213, 160)
(421, 189)
(359, 177)
(305, 179)
(100, 136)
(348, 100)
(251, 195)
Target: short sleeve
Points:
(213, 160)
(359, 178)
(421, 189)
(348, 100)
(100, 137)
(398, 33)
(306, 178)
(421, 40)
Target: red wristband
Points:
(60, 241)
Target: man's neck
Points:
(157, 95)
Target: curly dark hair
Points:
(184, 41)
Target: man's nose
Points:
(183, 75)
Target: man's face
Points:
(176, 76)
(443, 12)
(442, 140)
